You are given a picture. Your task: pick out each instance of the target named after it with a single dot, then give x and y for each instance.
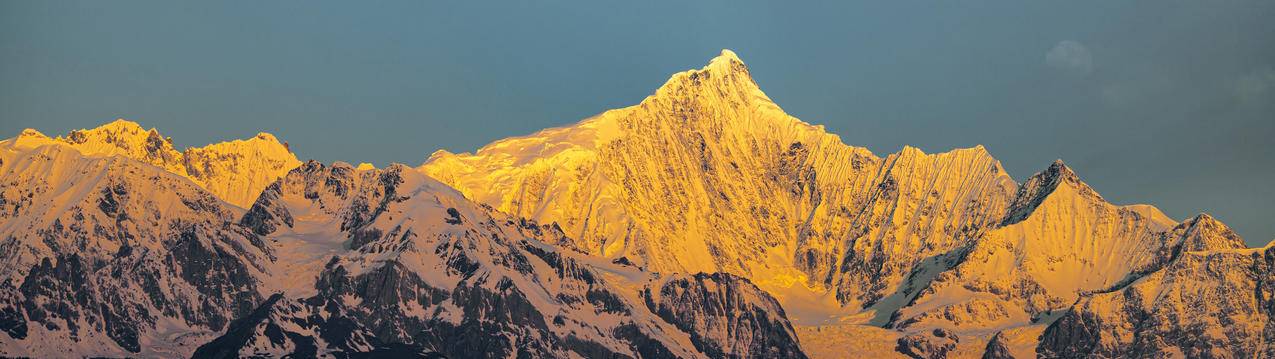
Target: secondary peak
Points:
(121, 124)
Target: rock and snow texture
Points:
(1213, 299)
(726, 316)
(707, 174)
(1057, 240)
(234, 171)
(694, 224)
(112, 256)
(429, 272)
(108, 256)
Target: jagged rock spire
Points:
(1040, 186)
(1203, 232)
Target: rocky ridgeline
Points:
(234, 171)
(707, 174)
(428, 272)
(690, 225)
(113, 257)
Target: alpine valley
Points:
(702, 222)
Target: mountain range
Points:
(702, 222)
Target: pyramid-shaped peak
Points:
(1204, 233)
(725, 77)
(1041, 185)
(1058, 167)
(1059, 173)
(1203, 217)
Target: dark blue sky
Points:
(1170, 103)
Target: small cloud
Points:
(1071, 57)
(1256, 87)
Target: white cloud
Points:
(1071, 57)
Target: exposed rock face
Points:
(427, 271)
(113, 257)
(234, 171)
(707, 174)
(935, 344)
(293, 327)
(1205, 233)
(997, 348)
(1213, 303)
(569, 242)
(137, 261)
(238, 170)
(1058, 240)
(725, 315)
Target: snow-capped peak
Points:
(705, 175)
(125, 138)
(121, 124)
(121, 137)
(1041, 185)
(725, 77)
(1059, 168)
(726, 57)
(266, 136)
(31, 132)
(1059, 173)
(236, 171)
(28, 139)
(1203, 232)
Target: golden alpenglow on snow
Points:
(944, 251)
(702, 221)
(235, 171)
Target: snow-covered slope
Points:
(1058, 239)
(235, 171)
(707, 142)
(1206, 304)
(428, 271)
(707, 174)
(693, 224)
(1212, 299)
(108, 256)
(112, 256)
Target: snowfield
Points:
(701, 222)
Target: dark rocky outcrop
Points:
(726, 316)
(935, 344)
(435, 273)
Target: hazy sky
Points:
(1170, 103)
